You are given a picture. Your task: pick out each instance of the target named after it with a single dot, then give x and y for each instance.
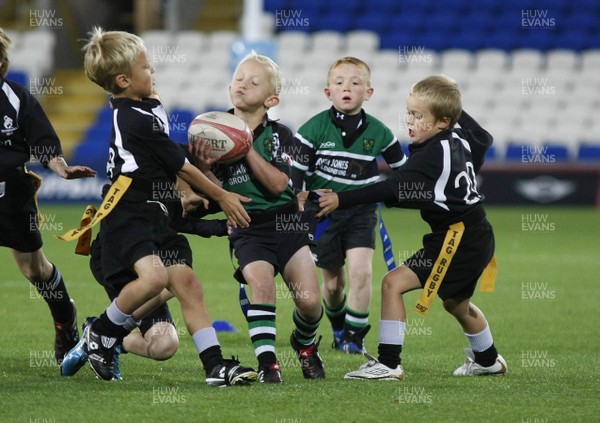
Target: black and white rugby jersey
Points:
(25, 131)
(140, 146)
(439, 177)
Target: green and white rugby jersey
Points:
(271, 139)
(323, 161)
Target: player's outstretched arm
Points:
(62, 169)
(230, 203)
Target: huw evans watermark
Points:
(291, 18)
(537, 18)
(45, 18)
(536, 358)
(414, 54)
(537, 223)
(531, 291)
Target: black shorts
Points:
(138, 229)
(350, 228)
(473, 254)
(273, 236)
(160, 314)
(18, 214)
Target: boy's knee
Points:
(164, 344)
(388, 284)
(360, 277)
(333, 291)
(156, 281)
(262, 287)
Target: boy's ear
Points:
(271, 101)
(122, 81)
(369, 93)
(327, 93)
(444, 123)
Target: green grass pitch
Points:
(542, 315)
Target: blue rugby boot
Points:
(76, 358)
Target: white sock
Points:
(115, 315)
(391, 332)
(480, 341)
(205, 338)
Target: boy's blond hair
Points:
(441, 95)
(108, 54)
(349, 60)
(267, 61)
(5, 43)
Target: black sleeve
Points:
(477, 137)
(383, 191)
(203, 228)
(43, 142)
(410, 186)
(193, 224)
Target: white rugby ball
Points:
(229, 136)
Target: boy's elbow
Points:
(279, 187)
(278, 190)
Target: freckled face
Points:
(347, 88)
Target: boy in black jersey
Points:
(26, 133)
(136, 233)
(157, 337)
(439, 178)
(278, 237)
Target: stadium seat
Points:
(557, 152)
(179, 121)
(18, 76)
(293, 41)
(590, 59)
(491, 60)
(564, 60)
(191, 41)
(589, 151)
(326, 41)
(515, 151)
(456, 61)
(361, 41)
(492, 154)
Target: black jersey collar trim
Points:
(352, 133)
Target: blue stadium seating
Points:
(19, 77)
(491, 24)
(488, 24)
(589, 152)
(179, 121)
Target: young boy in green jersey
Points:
(278, 236)
(338, 150)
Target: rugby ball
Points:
(228, 135)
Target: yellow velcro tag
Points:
(440, 267)
(114, 194)
(84, 241)
(488, 280)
